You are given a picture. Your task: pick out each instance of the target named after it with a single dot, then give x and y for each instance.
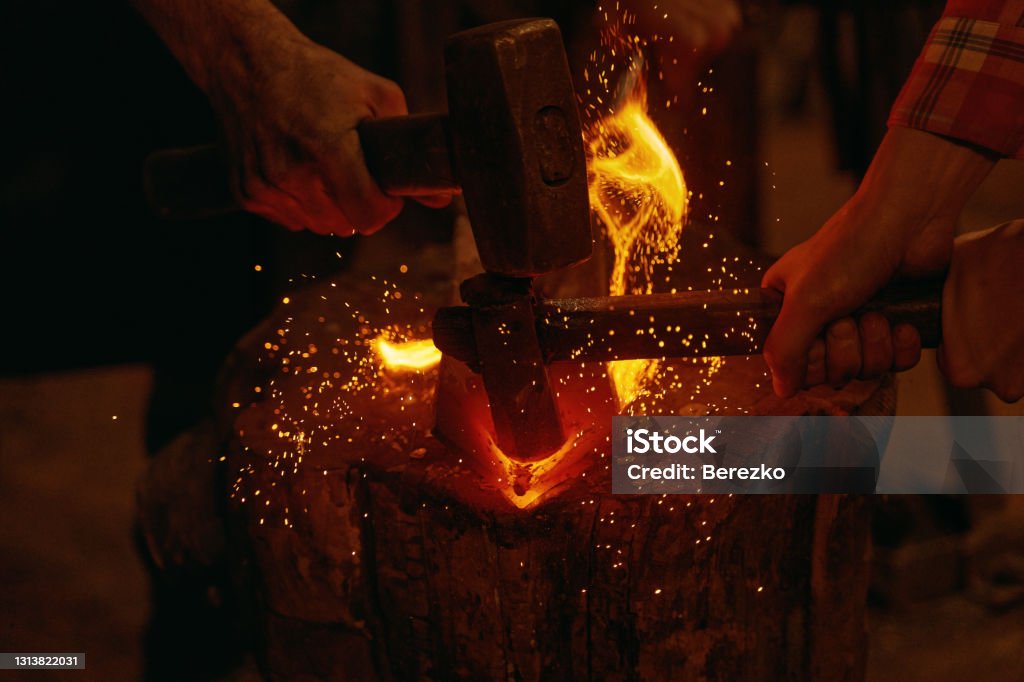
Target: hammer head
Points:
(518, 146)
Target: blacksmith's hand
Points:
(288, 110)
(290, 127)
(899, 223)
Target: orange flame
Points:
(415, 355)
(639, 194)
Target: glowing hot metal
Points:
(415, 355)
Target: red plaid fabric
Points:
(968, 82)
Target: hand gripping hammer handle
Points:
(408, 156)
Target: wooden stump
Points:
(368, 548)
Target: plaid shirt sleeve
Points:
(968, 82)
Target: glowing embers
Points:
(413, 355)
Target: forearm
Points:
(221, 40)
(917, 178)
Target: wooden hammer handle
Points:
(407, 156)
(691, 324)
